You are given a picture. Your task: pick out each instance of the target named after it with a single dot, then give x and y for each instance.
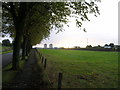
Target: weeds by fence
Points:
(44, 63)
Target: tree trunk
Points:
(24, 47)
(28, 48)
(16, 50)
(19, 22)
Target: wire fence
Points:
(59, 76)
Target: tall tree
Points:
(35, 20)
(17, 15)
(111, 44)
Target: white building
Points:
(50, 45)
(107, 47)
(45, 45)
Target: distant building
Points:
(45, 45)
(55, 47)
(50, 45)
(107, 47)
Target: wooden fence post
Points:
(60, 81)
(40, 55)
(42, 59)
(45, 63)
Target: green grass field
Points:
(82, 69)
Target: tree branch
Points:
(4, 6)
(14, 16)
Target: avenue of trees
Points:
(30, 22)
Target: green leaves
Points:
(41, 17)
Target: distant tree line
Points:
(6, 42)
(106, 47)
(111, 45)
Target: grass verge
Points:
(5, 49)
(8, 75)
(42, 72)
(6, 52)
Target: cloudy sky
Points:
(100, 30)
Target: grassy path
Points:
(31, 76)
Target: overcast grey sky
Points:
(101, 30)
